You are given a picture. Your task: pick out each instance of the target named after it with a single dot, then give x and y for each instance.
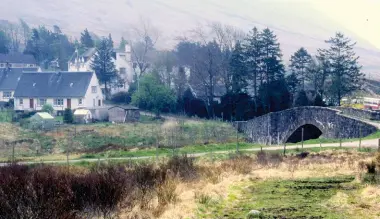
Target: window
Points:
(58, 102)
(7, 94)
(2, 65)
(122, 71)
(94, 89)
(41, 102)
(21, 102)
(80, 101)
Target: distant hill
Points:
(296, 24)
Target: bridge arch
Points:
(311, 131)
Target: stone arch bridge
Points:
(287, 125)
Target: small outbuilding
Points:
(82, 116)
(42, 120)
(122, 114)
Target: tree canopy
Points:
(154, 96)
(103, 65)
(86, 39)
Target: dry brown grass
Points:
(217, 178)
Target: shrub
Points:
(49, 192)
(10, 104)
(68, 116)
(371, 167)
(166, 191)
(48, 108)
(121, 97)
(182, 166)
(269, 159)
(202, 198)
(147, 178)
(240, 163)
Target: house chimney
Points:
(127, 48)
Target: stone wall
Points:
(276, 128)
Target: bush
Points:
(48, 108)
(49, 192)
(182, 166)
(68, 116)
(10, 104)
(121, 97)
(239, 163)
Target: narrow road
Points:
(372, 143)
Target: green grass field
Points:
(304, 198)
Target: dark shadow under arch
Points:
(310, 132)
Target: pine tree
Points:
(238, 69)
(345, 71)
(272, 57)
(103, 64)
(4, 43)
(293, 84)
(299, 63)
(273, 69)
(110, 41)
(253, 55)
(301, 99)
(86, 39)
(122, 44)
(47, 46)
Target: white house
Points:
(17, 60)
(9, 78)
(121, 58)
(62, 90)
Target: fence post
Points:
(237, 137)
(302, 137)
(284, 148)
(378, 146)
(157, 143)
(13, 152)
(360, 137)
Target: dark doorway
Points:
(31, 103)
(309, 132)
(69, 103)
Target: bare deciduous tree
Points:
(226, 37)
(146, 37)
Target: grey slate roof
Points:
(17, 58)
(125, 107)
(86, 55)
(9, 77)
(53, 84)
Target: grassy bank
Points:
(304, 198)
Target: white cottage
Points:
(122, 59)
(17, 60)
(62, 90)
(9, 78)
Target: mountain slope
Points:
(297, 23)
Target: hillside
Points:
(296, 24)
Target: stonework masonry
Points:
(276, 128)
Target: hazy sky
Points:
(359, 16)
